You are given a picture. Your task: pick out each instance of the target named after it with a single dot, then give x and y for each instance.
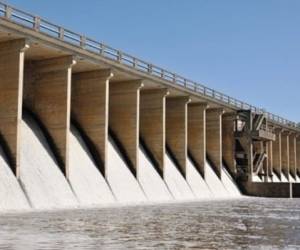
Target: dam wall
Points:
(83, 124)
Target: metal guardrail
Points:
(40, 25)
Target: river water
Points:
(225, 224)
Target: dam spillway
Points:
(83, 124)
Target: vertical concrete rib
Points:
(285, 153)
(197, 134)
(292, 155)
(228, 142)
(277, 160)
(270, 158)
(50, 101)
(124, 110)
(176, 129)
(298, 154)
(152, 124)
(214, 138)
(11, 97)
(89, 107)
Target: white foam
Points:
(175, 181)
(122, 182)
(229, 184)
(196, 182)
(283, 178)
(214, 183)
(152, 183)
(42, 180)
(86, 180)
(12, 196)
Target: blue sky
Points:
(247, 49)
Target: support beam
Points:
(228, 142)
(197, 134)
(285, 153)
(89, 106)
(270, 158)
(11, 88)
(50, 99)
(124, 110)
(214, 138)
(176, 129)
(277, 160)
(298, 154)
(292, 154)
(152, 124)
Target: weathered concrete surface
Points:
(214, 138)
(49, 98)
(292, 154)
(152, 123)
(197, 134)
(228, 142)
(270, 189)
(11, 89)
(277, 162)
(89, 107)
(270, 158)
(298, 154)
(285, 155)
(124, 110)
(176, 129)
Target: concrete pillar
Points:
(176, 129)
(89, 106)
(277, 160)
(214, 138)
(298, 154)
(270, 158)
(124, 110)
(50, 99)
(292, 155)
(152, 124)
(11, 89)
(228, 142)
(197, 134)
(285, 153)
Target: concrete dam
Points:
(84, 124)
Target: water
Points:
(230, 184)
(44, 184)
(175, 181)
(196, 182)
(227, 224)
(86, 180)
(11, 194)
(153, 185)
(122, 182)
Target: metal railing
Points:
(40, 25)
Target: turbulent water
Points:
(227, 224)
(44, 184)
(87, 182)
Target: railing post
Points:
(82, 41)
(8, 11)
(61, 33)
(37, 23)
(119, 56)
(101, 49)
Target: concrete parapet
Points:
(176, 129)
(152, 123)
(228, 142)
(11, 89)
(197, 134)
(50, 99)
(285, 155)
(214, 138)
(124, 110)
(89, 107)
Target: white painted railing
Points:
(40, 25)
